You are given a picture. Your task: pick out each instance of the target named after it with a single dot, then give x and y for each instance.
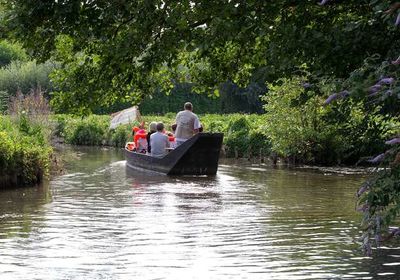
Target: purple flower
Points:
(306, 85)
(389, 92)
(397, 23)
(396, 62)
(323, 2)
(363, 208)
(367, 248)
(343, 94)
(395, 231)
(331, 98)
(374, 88)
(386, 81)
(377, 159)
(334, 96)
(393, 141)
(362, 190)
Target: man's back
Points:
(185, 121)
(159, 142)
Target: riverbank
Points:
(243, 135)
(25, 152)
(245, 218)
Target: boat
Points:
(198, 155)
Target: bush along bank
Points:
(25, 152)
(243, 136)
(297, 134)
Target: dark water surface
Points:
(251, 221)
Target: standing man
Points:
(187, 124)
(159, 142)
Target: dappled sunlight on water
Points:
(251, 221)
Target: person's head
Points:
(174, 127)
(160, 127)
(153, 127)
(188, 106)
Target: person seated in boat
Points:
(152, 129)
(187, 124)
(171, 139)
(159, 142)
(173, 127)
(134, 130)
(140, 139)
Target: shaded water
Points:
(101, 221)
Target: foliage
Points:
(231, 99)
(120, 51)
(379, 202)
(259, 143)
(11, 52)
(3, 101)
(237, 137)
(121, 135)
(24, 76)
(294, 119)
(32, 112)
(86, 131)
(94, 130)
(300, 126)
(24, 155)
(376, 85)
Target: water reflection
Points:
(22, 210)
(103, 221)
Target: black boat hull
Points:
(197, 156)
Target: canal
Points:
(251, 221)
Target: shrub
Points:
(215, 126)
(87, 134)
(23, 76)
(259, 143)
(59, 121)
(24, 155)
(3, 101)
(10, 52)
(237, 138)
(121, 135)
(91, 130)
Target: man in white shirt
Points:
(159, 142)
(187, 124)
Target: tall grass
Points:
(25, 141)
(19, 76)
(3, 101)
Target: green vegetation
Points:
(231, 99)
(117, 52)
(20, 76)
(10, 52)
(24, 152)
(303, 128)
(94, 130)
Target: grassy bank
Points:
(243, 133)
(24, 152)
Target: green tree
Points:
(11, 52)
(123, 50)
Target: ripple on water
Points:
(248, 222)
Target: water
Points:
(251, 221)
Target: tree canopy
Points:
(123, 50)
